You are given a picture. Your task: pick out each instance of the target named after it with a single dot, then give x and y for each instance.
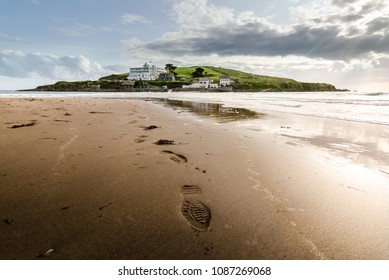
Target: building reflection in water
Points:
(218, 111)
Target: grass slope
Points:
(252, 82)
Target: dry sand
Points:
(84, 179)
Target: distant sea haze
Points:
(353, 106)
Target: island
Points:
(181, 79)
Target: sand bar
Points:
(83, 179)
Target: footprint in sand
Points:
(176, 157)
(196, 212)
(140, 139)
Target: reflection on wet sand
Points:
(214, 110)
(361, 143)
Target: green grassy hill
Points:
(252, 82)
(243, 82)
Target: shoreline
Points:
(181, 90)
(259, 101)
(101, 189)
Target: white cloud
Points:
(195, 14)
(16, 64)
(81, 30)
(7, 38)
(131, 43)
(20, 70)
(346, 15)
(132, 18)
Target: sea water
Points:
(352, 106)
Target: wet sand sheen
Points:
(98, 187)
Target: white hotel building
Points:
(147, 72)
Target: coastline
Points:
(173, 89)
(101, 189)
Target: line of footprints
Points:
(196, 212)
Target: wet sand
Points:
(84, 179)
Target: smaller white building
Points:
(147, 72)
(202, 83)
(225, 81)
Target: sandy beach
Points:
(84, 178)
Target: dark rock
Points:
(151, 127)
(164, 142)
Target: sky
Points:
(342, 42)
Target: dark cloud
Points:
(370, 6)
(339, 19)
(378, 24)
(335, 36)
(350, 18)
(259, 40)
(374, 5)
(343, 3)
(353, 31)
